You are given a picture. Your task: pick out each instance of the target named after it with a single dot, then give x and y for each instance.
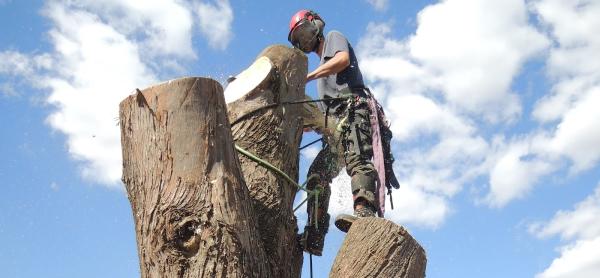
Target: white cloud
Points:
(514, 172)
(581, 257)
(387, 62)
(7, 90)
(341, 195)
(412, 205)
(444, 85)
(579, 223)
(97, 67)
(437, 85)
(577, 91)
(102, 51)
(16, 63)
(573, 25)
(310, 152)
(403, 86)
(450, 50)
(159, 27)
(416, 115)
(474, 49)
(517, 166)
(415, 206)
(434, 118)
(578, 135)
(569, 111)
(577, 260)
(380, 5)
(215, 22)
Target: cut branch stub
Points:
(376, 247)
(192, 211)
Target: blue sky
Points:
(493, 106)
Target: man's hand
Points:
(337, 63)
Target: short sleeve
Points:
(334, 43)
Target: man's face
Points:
(304, 36)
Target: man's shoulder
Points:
(335, 33)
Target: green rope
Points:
(301, 203)
(269, 166)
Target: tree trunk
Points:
(196, 213)
(274, 134)
(193, 216)
(375, 247)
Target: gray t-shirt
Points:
(351, 77)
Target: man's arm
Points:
(336, 64)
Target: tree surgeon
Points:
(340, 85)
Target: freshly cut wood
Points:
(376, 247)
(248, 80)
(192, 211)
(272, 134)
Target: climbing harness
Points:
(383, 163)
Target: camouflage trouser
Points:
(323, 169)
(358, 152)
(356, 144)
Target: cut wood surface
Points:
(249, 80)
(376, 247)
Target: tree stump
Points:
(192, 211)
(376, 247)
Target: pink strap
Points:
(378, 156)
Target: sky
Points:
(493, 105)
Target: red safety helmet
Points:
(306, 30)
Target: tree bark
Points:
(274, 134)
(193, 216)
(376, 247)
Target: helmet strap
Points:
(318, 42)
